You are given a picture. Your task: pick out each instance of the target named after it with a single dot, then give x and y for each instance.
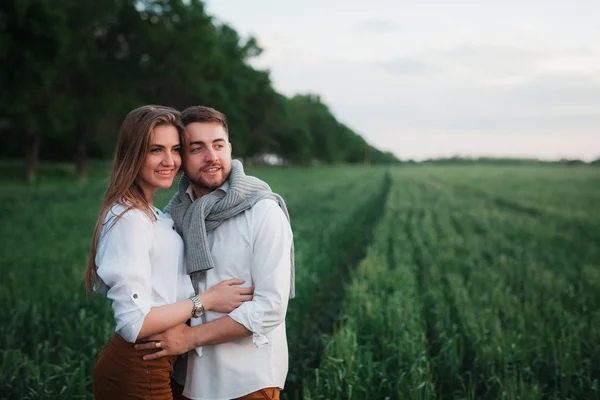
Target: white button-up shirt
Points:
(254, 246)
(140, 266)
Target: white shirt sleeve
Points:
(271, 270)
(123, 262)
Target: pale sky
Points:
(434, 78)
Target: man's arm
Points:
(219, 331)
(182, 338)
(271, 269)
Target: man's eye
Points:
(196, 149)
(220, 146)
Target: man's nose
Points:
(210, 154)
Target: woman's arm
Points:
(223, 297)
(124, 266)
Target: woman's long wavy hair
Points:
(133, 144)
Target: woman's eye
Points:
(157, 150)
(177, 149)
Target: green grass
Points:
(481, 283)
(51, 331)
(421, 282)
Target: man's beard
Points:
(201, 184)
(209, 185)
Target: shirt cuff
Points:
(252, 320)
(141, 300)
(196, 322)
(130, 330)
(129, 323)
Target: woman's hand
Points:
(226, 296)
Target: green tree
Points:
(71, 70)
(96, 66)
(33, 34)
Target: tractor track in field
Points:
(306, 346)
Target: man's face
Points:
(207, 161)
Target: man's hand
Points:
(227, 295)
(175, 341)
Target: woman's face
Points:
(162, 161)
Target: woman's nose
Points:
(168, 159)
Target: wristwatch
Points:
(198, 307)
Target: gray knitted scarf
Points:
(194, 219)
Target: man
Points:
(244, 354)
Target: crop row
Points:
(461, 297)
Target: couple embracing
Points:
(200, 290)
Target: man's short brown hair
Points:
(204, 114)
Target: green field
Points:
(461, 282)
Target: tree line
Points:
(72, 69)
(504, 161)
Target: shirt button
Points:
(135, 295)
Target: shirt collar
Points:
(224, 187)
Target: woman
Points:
(137, 259)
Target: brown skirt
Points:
(120, 372)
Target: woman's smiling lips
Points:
(165, 172)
